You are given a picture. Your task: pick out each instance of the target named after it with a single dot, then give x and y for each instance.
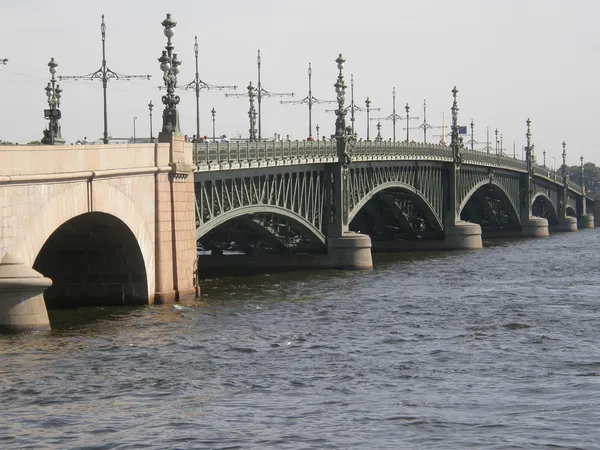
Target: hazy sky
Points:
(510, 59)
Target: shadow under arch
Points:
(499, 189)
(417, 195)
(542, 206)
(571, 212)
(93, 259)
(297, 221)
(488, 205)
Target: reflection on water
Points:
(494, 348)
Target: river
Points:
(496, 348)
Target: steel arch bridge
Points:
(278, 196)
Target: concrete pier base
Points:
(596, 209)
(351, 251)
(567, 224)
(535, 227)
(22, 307)
(586, 221)
(463, 235)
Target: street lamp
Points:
(544, 153)
(369, 109)
(134, 119)
(104, 74)
(197, 85)
(169, 64)
(408, 118)
(262, 92)
(309, 100)
(317, 128)
(53, 91)
(472, 133)
(150, 107)
(496, 132)
(393, 117)
(213, 112)
(564, 164)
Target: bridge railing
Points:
(227, 155)
(488, 159)
(372, 150)
(243, 152)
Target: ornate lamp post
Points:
(544, 153)
(169, 64)
(252, 112)
(496, 132)
(317, 128)
(352, 107)
(564, 172)
(150, 107)
(368, 105)
(408, 118)
(472, 134)
(53, 91)
(104, 74)
(454, 215)
(212, 112)
(582, 178)
(369, 109)
(378, 138)
(134, 119)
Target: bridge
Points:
(115, 224)
(138, 224)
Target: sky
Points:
(510, 60)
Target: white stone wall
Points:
(42, 187)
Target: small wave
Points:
(516, 326)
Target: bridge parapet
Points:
(480, 158)
(239, 155)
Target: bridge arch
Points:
(499, 189)
(298, 221)
(106, 203)
(421, 200)
(542, 206)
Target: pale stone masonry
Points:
(148, 187)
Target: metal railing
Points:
(238, 154)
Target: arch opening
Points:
(571, 212)
(396, 214)
(543, 207)
(491, 209)
(93, 259)
(259, 234)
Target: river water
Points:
(497, 348)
